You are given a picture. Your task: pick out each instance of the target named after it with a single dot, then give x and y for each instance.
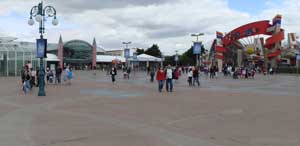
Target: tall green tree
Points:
(140, 51)
(153, 51)
(188, 58)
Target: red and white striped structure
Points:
(60, 52)
(94, 54)
(292, 41)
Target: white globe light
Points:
(30, 22)
(55, 22)
(38, 18)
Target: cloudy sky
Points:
(168, 23)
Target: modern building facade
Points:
(14, 55)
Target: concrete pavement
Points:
(93, 112)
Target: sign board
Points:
(176, 58)
(298, 57)
(52, 66)
(162, 58)
(41, 48)
(197, 48)
(127, 53)
(135, 56)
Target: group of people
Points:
(30, 77)
(167, 75)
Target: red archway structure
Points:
(272, 43)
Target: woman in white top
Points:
(190, 76)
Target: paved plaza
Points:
(94, 112)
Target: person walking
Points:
(152, 74)
(26, 85)
(113, 74)
(128, 70)
(58, 72)
(176, 74)
(160, 77)
(196, 76)
(70, 76)
(190, 76)
(169, 79)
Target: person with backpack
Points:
(160, 77)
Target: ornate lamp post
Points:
(40, 14)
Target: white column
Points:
(239, 57)
(23, 58)
(220, 65)
(16, 59)
(7, 58)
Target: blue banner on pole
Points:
(197, 48)
(41, 48)
(298, 57)
(127, 53)
(176, 58)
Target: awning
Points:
(109, 59)
(51, 57)
(146, 57)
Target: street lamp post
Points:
(40, 14)
(127, 50)
(176, 58)
(197, 35)
(162, 60)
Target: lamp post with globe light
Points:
(40, 14)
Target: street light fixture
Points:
(127, 52)
(198, 60)
(127, 43)
(197, 35)
(40, 14)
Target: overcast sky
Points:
(168, 23)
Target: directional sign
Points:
(298, 57)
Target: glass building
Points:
(15, 55)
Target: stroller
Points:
(51, 77)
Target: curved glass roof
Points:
(78, 45)
(78, 50)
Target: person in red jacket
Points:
(160, 77)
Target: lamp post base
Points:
(42, 91)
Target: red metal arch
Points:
(252, 29)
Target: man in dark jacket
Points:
(196, 76)
(58, 73)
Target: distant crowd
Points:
(31, 78)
